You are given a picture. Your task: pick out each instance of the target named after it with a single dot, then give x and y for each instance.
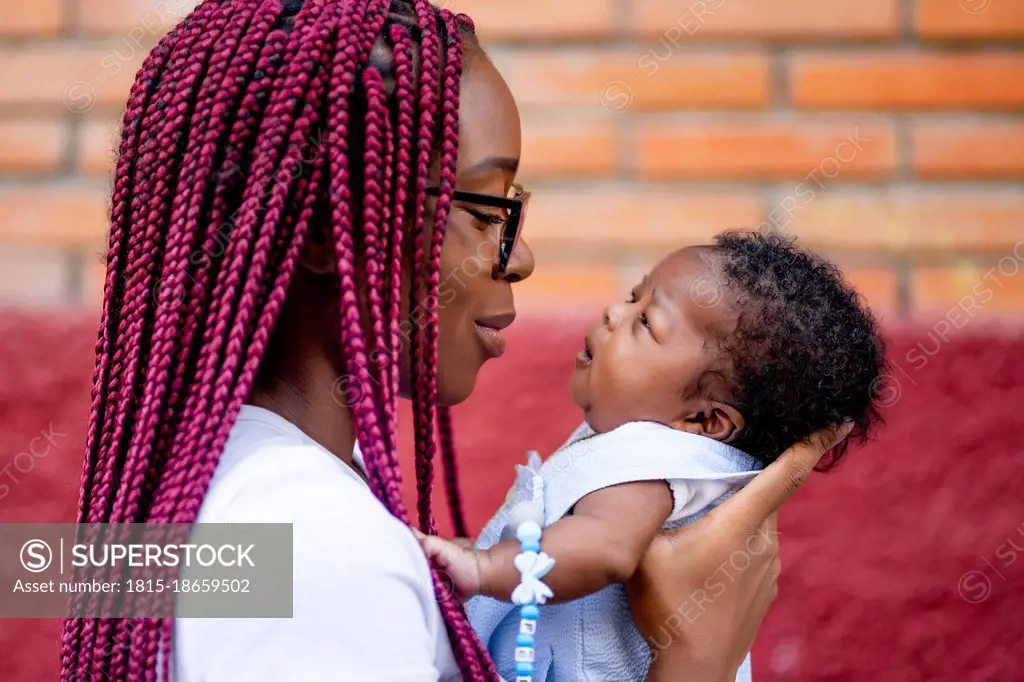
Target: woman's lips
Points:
(492, 340)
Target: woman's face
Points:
(475, 301)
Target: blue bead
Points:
(530, 612)
(530, 546)
(523, 639)
(524, 668)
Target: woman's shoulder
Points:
(271, 472)
(359, 577)
(273, 475)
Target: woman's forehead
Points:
(490, 136)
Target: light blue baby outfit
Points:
(593, 639)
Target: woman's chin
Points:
(454, 390)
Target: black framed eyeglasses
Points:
(516, 206)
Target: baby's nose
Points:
(613, 315)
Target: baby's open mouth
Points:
(585, 356)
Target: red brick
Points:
(909, 221)
(32, 276)
(538, 19)
(36, 19)
(967, 291)
(137, 20)
(95, 276)
(879, 287)
(958, 150)
(54, 215)
(98, 140)
(766, 19)
(770, 150)
(897, 81)
(69, 78)
(31, 145)
(620, 79)
(629, 216)
(969, 20)
(568, 149)
(560, 283)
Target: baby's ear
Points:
(715, 420)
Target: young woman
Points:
(314, 214)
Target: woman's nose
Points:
(520, 263)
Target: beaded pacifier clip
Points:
(527, 519)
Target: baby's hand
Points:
(459, 560)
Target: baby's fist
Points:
(460, 562)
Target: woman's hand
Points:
(702, 590)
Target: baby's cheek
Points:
(641, 396)
(615, 396)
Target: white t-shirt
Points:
(364, 606)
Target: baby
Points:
(721, 358)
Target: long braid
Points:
(429, 86)
(213, 201)
(451, 472)
(404, 95)
(376, 218)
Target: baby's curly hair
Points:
(805, 353)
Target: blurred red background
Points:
(904, 565)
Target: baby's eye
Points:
(644, 322)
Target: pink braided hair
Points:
(213, 199)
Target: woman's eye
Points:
(485, 218)
(644, 321)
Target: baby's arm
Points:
(599, 544)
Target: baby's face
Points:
(640, 363)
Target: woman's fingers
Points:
(711, 582)
(766, 493)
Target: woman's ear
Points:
(715, 420)
(317, 254)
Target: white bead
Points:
(527, 511)
(528, 532)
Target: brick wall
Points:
(888, 134)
